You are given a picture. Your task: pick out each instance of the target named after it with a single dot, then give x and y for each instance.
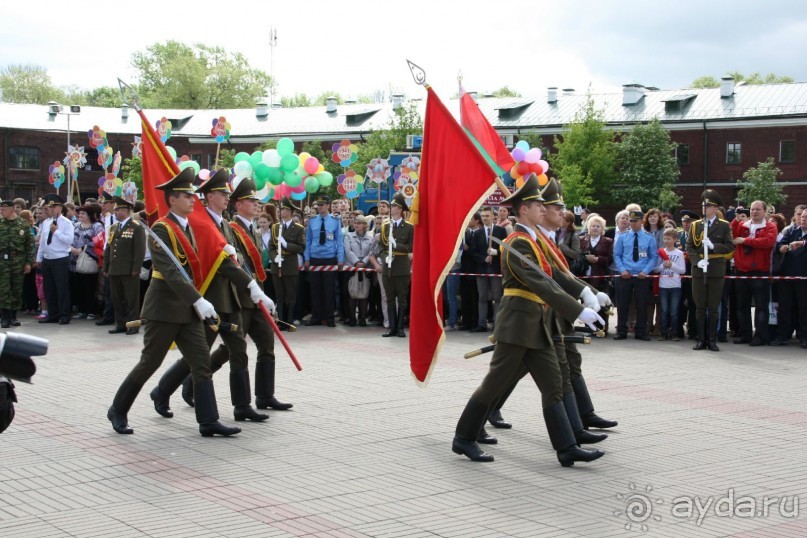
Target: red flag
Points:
(484, 136)
(454, 180)
(159, 167)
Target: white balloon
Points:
(263, 193)
(271, 158)
(236, 181)
(243, 169)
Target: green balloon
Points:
(324, 178)
(275, 176)
(241, 156)
(255, 158)
(172, 152)
(289, 163)
(186, 164)
(261, 172)
(285, 146)
(311, 184)
(292, 179)
(260, 183)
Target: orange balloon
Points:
(514, 172)
(543, 180)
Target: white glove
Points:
(282, 242)
(492, 252)
(703, 264)
(204, 309)
(392, 242)
(603, 299)
(590, 317)
(708, 243)
(279, 259)
(259, 297)
(229, 250)
(589, 299)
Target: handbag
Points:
(579, 266)
(358, 286)
(86, 264)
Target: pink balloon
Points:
(311, 165)
(204, 174)
(544, 166)
(518, 154)
(533, 156)
(299, 188)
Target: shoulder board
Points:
(135, 222)
(721, 220)
(297, 224)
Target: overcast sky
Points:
(358, 46)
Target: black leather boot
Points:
(240, 394)
(562, 437)
(161, 402)
(362, 312)
(580, 434)
(121, 404)
(14, 321)
(701, 335)
(497, 420)
(265, 387)
(392, 331)
(713, 334)
(170, 382)
(5, 319)
(400, 321)
(586, 407)
(207, 413)
(468, 430)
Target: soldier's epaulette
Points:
(135, 222)
(299, 225)
(722, 220)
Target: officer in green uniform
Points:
(523, 336)
(175, 312)
(396, 271)
(123, 258)
(288, 240)
(16, 260)
(223, 292)
(720, 248)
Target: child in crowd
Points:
(670, 269)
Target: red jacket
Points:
(755, 253)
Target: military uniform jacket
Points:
(720, 235)
(404, 235)
(572, 285)
(295, 244)
(16, 242)
(170, 297)
(224, 287)
(523, 318)
(125, 248)
(243, 256)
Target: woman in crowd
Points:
(39, 218)
(503, 219)
(652, 224)
(30, 301)
(599, 253)
(567, 239)
(82, 284)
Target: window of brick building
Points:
(211, 161)
(197, 157)
(733, 153)
(787, 151)
(23, 157)
(682, 154)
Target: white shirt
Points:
(549, 234)
(529, 231)
(217, 218)
(60, 243)
(248, 223)
(182, 220)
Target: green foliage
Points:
(28, 83)
(585, 160)
(132, 170)
(759, 183)
(297, 100)
(647, 167)
(705, 81)
(175, 75)
(381, 142)
(505, 91)
(227, 158)
(708, 81)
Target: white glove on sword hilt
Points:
(279, 259)
(204, 309)
(589, 299)
(392, 241)
(281, 241)
(708, 243)
(703, 265)
(590, 317)
(603, 299)
(259, 297)
(229, 250)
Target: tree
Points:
(381, 142)
(647, 167)
(709, 81)
(28, 83)
(175, 75)
(585, 157)
(297, 100)
(504, 91)
(132, 170)
(759, 183)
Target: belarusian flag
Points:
(483, 135)
(454, 180)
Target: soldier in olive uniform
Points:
(523, 336)
(288, 240)
(720, 245)
(396, 271)
(16, 261)
(123, 257)
(223, 291)
(175, 311)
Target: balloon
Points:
(514, 172)
(311, 165)
(320, 168)
(299, 188)
(236, 181)
(241, 156)
(523, 168)
(533, 156)
(255, 158)
(311, 184)
(304, 156)
(271, 158)
(243, 169)
(204, 174)
(261, 171)
(544, 166)
(293, 178)
(190, 164)
(260, 183)
(172, 152)
(289, 162)
(523, 145)
(324, 178)
(285, 146)
(518, 154)
(298, 195)
(263, 193)
(352, 194)
(535, 168)
(275, 176)
(543, 180)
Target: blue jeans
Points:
(452, 288)
(670, 298)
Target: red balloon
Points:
(535, 168)
(523, 168)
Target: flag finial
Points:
(129, 94)
(417, 73)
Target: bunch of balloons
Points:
(528, 161)
(220, 130)
(56, 171)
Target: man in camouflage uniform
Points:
(16, 260)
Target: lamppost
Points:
(55, 108)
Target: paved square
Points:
(367, 452)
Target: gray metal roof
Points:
(748, 102)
